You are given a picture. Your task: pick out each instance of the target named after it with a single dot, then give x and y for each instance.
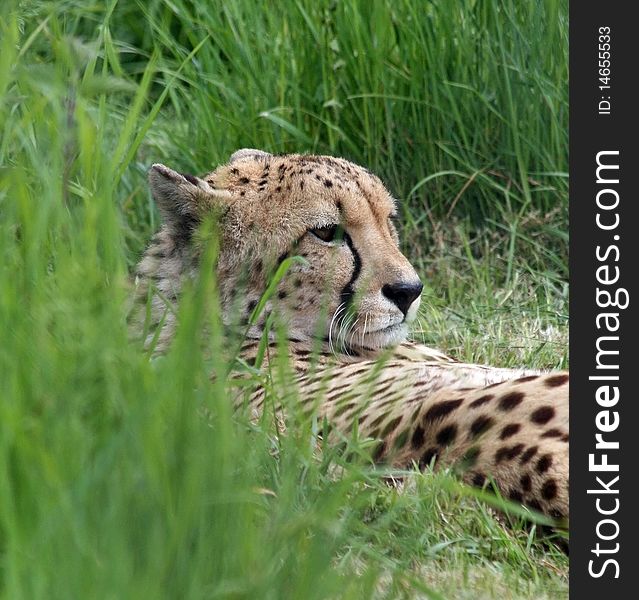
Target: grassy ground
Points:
(111, 482)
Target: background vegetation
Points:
(112, 483)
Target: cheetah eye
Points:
(327, 233)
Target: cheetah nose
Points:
(403, 294)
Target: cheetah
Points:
(347, 304)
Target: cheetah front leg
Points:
(514, 432)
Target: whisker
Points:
(363, 332)
(344, 326)
(336, 314)
(352, 330)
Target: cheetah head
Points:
(352, 287)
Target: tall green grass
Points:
(123, 477)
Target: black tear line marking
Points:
(348, 292)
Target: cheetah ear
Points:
(248, 153)
(182, 198)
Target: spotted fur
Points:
(347, 307)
